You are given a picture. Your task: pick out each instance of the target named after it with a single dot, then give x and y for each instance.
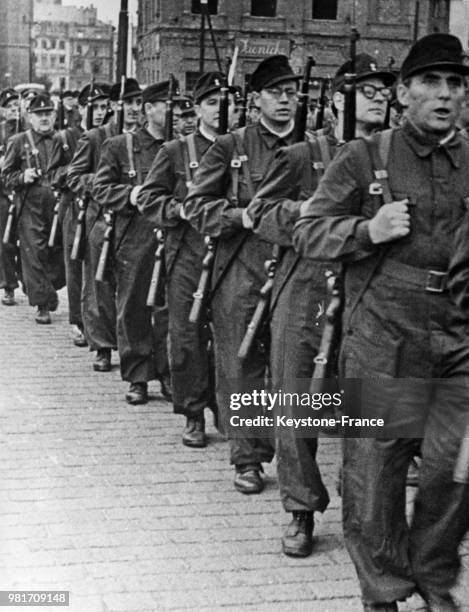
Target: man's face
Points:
(42, 121)
(176, 119)
(70, 102)
(209, 107)
(372, 100)
(132, 110)
(12, 110)
(99, 111)
(155, 113)
(187, 123)
(433, 99)
(278, 103)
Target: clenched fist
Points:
(390, 222)
(30, 175)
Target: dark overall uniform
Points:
(160, 201)
(65, 144)
(98, 299)
(400, 322)
(132, 251)
(42, 267)
(296, 309)
(8, 252)
(213, 206)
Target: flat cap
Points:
(271, 71)
(365, 67)
(159, 92)
(443, 51)
(208, 83)
(131, 89)
(186, 105)
(41, 103)
(99, 91)
(7, 96)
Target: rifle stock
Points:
(260, 312)
(78, 246)
(104, 255)
(10, 221)
(8, 237)
(325, 359)
(155, 283)
(55, 222)
(200, 296)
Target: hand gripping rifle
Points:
(8, 235)
(201, 294)
(302, 107)
(109, 215)
(78, 247)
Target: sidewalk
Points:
(101, 498)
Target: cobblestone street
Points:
(101, 499)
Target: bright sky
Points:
(108, 10)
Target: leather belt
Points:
(431, 281)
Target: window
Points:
(61, 44)
(212, 6)
(325, 9)
(62, 59)
(52, 44)
(191, 78)
(44, 44)
(52, 61)
(263, 8)
(79, 49)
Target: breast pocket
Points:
(244, 191)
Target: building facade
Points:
(169, 32)
(70, 44)
(15, 42)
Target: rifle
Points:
(78, 247)
(7, 236)
(262, 305)
(322, 105)
(302, 107)
(461, 469)
(201, 294)
(55, 221)
(109, 215)
(349, 90)
(61, 107)
(155, 283)
(324, 360)
(168, 117)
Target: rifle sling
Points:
(378, 149)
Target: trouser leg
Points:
(73, 269)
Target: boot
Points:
(297, 540)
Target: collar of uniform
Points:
(145, 139)
(424, 145)
(271, 139)
(203, 132)
(39, 136)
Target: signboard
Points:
(262, 47)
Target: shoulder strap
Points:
(378, 148)
(241, 160)
(34, 151)
(129, 142)
(190, 157)
(63, 138)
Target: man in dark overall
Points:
(25, 172)
(224, 184)
(395, 233)
(98, 299)
(160, 200)
(299, 290)
(124, 164)
(65, 144)
(9, 126)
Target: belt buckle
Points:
(436, 281)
